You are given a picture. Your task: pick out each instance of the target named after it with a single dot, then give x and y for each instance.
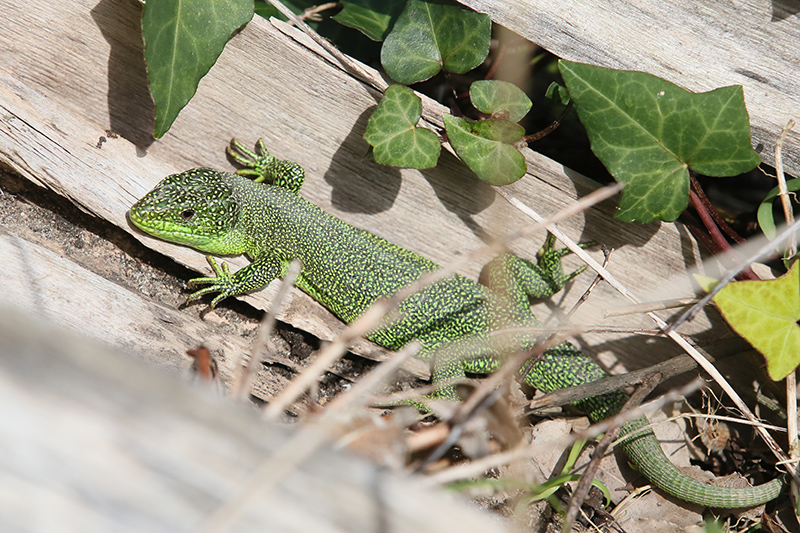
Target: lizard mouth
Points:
(164, 230)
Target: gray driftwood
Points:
(96, 441)
(75, 73)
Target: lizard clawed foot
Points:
(548, 255)
(222, 282)
(254, 163)
(260, 166)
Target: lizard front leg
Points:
(254, 276)
(262, 166)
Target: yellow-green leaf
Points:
(766, 314)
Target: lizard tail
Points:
(644, 451)
(565, 366)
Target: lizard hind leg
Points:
(450, 363)
(545, 277)
(514, 280)
(549, 260)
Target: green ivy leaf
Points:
(491, 159)
(765, 219)
(429, 36)
(765, 313)
(182, 40)
(494, 97)
(648, 132)
(496, 130)
(393, 134)
(557, 94)
(373, 18)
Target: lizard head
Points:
(195, 208)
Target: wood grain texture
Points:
(62, 86)
(697, 45)
(96, 441)
(106, 312)
(59, 150)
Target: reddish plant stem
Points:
(501, 52)
(721, 245)
(729, 231)
(549, 129)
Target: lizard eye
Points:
(186, 214)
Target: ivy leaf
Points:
(481, 146)
(557, 94)
(766, 314)
(496, 130)
(393, 133)
(765, 219)
(429, 36)
(648, 132)
(182, 41)
(494, 97)
(373, 18)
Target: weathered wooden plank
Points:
(59, 150)
(697, 45)
(56, 289)
(96, 441)
(50, 134)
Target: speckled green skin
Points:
(346, 269)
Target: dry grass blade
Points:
(704, 363)
(302, 445)
(791, 379)
(783, 191)
(374, 314)
(721, 418)
(646, 307)
(242, 386)
(349, 65)
(585, 296)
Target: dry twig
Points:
(585, 483)
(704, 363)
(305, 442)
(241, 387)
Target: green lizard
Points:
(346, 269)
